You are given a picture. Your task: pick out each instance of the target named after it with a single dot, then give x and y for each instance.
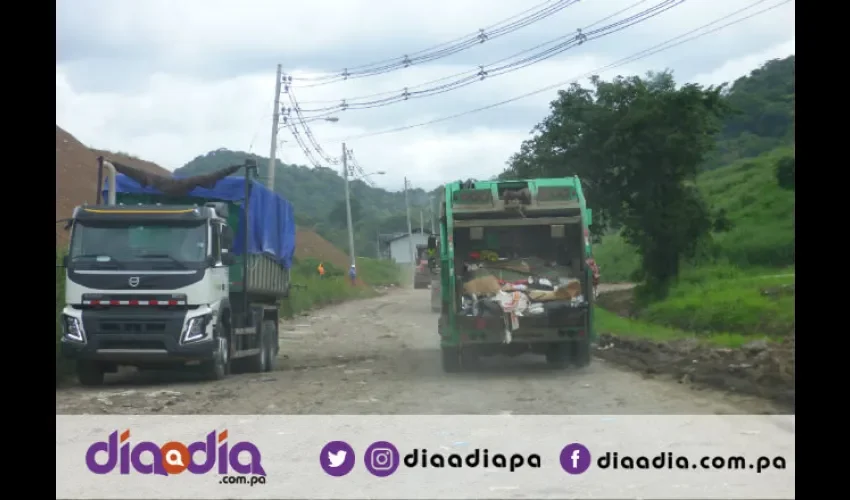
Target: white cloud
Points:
(176, 113)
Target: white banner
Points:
(424, 457)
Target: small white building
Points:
(400, 247)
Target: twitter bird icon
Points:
(337, 458)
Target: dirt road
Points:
(380, 356)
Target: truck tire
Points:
(451, 359)
(259, 362)
(558, 354)
(270, 336)
(581, 353)
(218, 367)
(89, 374)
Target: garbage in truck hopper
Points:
(515, 288)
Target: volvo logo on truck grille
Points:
(133, 281)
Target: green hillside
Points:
(318, 196)
(760, 218)
(763, 119)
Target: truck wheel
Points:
(259, 362)
(269, 330)
(451, 359)
(558, 354)
(89, 374)
(581, 353)
(219, 367)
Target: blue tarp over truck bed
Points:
(272, 218)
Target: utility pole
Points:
(433, 216)
(275, 125)
(409, 233)
(348, 204)
(421, 222)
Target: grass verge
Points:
(309, 291)
(725, 298)
(611, 323)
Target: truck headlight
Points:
(195, 329)
(73, 329)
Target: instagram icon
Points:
(381, 458)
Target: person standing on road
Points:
(321, 270)
(352, 273)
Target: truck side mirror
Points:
(227, 258)
(226, 238)
(432, 243)
(589, 216)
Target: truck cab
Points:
(151, 285)
(516, 272)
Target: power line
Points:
(579, 37)
(462, 73)
(309, 133)
(446, 49)
(632, 58)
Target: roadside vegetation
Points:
(692, 190)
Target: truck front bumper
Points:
(133, 335)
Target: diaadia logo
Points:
(174, 457)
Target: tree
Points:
(339, 215)
(636, 144)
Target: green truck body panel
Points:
(265, 275)
(553, 200)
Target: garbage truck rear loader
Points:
(178, 272)
(517, 272)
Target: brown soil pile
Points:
(76, 176)
(76, 181)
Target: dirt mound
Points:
(758, 368)
(309, 245)
(76, 180)
(76, 175)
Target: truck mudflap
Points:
(130, 335)
(559, 322)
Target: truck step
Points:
(246, 353)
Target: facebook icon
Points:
(575, 458)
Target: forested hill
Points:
(318, 196)
(764, 114)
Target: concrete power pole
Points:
(409, 233)
(348, 205)
(433, 216)
(275, 125)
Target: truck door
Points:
(220, 274)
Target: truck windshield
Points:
(144, 245)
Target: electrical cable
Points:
(462, 73)
(445, 49)
(492, 70)
(663, 46)
(309, 133)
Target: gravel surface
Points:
(381, 356)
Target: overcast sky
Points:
(170, 80)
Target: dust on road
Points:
(381, 356)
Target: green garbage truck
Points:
(517, 273)
(175, 272)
